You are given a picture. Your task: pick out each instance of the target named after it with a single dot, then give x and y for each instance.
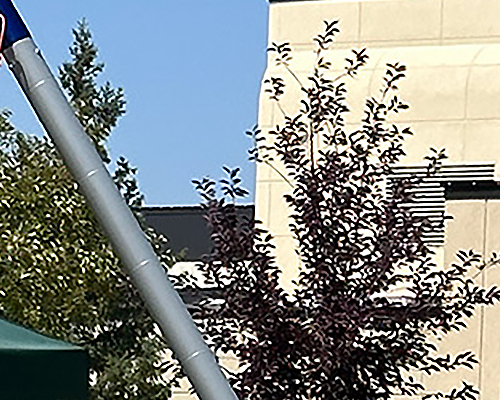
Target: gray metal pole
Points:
(121, 227)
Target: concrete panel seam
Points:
(467, 81)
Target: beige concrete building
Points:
(452, 51)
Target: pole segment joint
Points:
(84, 163)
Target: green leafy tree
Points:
(369, 300)
(58, 273)
(97, 107)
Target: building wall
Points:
(452, 51)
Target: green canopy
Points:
(36, 367)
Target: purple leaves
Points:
(368, 298)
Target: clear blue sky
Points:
(191, 71)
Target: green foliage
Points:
(97, 107)
(124, 178)
(58, 273)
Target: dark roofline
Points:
(188, 208)
(186, 227)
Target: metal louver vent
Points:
(429, 195)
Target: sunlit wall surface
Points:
(452, 51)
